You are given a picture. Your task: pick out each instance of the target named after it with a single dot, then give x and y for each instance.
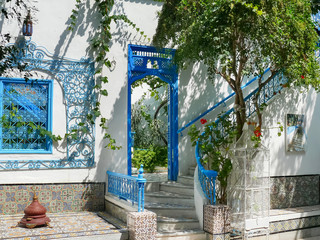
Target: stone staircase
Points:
(173, 202)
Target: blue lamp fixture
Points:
(27, 26)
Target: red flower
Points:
(302, 76)
(257, 133)
(203, 121)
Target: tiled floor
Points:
(64, 225)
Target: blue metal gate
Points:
(139, 59)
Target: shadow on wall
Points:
(114, 160)
(87, 22)
(122, 35)
(197, 93)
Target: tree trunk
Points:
(162, 104)
(241, 110)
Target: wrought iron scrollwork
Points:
(77, 79)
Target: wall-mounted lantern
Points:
(27, 25)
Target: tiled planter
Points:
(216, 222)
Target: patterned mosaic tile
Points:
(216, 220)
(294, 224)
(54, 197)
(218, 236)
(142, 225)
(63, 226)
(295, 191)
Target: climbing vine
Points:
(100, 46)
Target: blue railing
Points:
(223, 101)
(207, 177)
(127, 187)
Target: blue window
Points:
(26, 108)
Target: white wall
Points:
(50, 31)
(299, 102)
(196, 94)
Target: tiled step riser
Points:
(170, 200)
(172, 213)
(185, 180)
(183, 237)
(172, 227)
(177, 189)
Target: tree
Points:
(12, 10)
(238, 38)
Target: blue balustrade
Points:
(207, 177)
(127, 187)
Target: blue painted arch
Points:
(149, 61)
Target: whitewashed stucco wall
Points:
(50, 31)
(296, 101)
(196, 94)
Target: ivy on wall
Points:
(101, 47)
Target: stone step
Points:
(166, 224)
(182, 235)
(171, 210)
(109, 236)
(191, 170)
(186, 180)
(170, 198)
(175, 187)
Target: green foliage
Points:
(150, 158)
(12, 9)
(238, 38)
(147, 130)
(154, 84)
(215, 149)
(14, 117)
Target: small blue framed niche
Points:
(32, 102)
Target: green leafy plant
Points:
(214, 146)
(239, 38)
(150, 158)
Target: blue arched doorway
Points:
(139, 59)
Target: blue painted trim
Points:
(223, 101)
(77, 79)
(207, 177)
(46, 82)
(9, 165)
(1, 112)
(175, 121)
(128, 187)
(129, 135)
(50, 113)
(138, 60)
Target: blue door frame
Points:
(145, 61)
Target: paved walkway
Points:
(79, 225)
(160, 174)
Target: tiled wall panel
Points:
(296, 191)
(56, 198)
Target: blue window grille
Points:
(25, 113)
